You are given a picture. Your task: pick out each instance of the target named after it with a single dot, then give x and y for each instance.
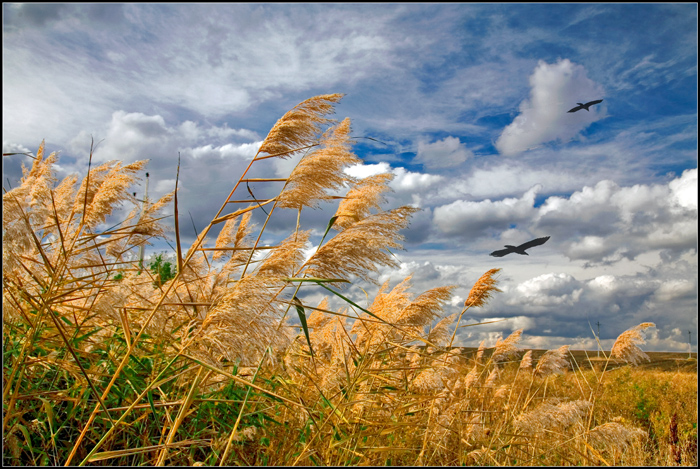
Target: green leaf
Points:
(149, 394)
(302, 319)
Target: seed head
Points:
(482, 289)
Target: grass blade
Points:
(302, 319)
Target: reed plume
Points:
(505, 349)
(480, 351)
(553, 362)
(472, 378)
(548, 417)
(615, 436)
(364, 196)
(482, 290)
(360, 249)
(320, 171)
(526, 361)
(625, 347)
(299, 128)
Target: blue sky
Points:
(470, 102)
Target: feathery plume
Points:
(526, 361)
(243, 323)
(552, 417)
(493, 376)
(482, 290)
(320, 171)
(298, 127)
(421, 311)
(384, 306)
(317, 318)
(507, 348)
(440, 333)
(361, 248)
(364, 196)
(284, 259)
(471, 378)
(553, 362)
(625, 346)
(226, 238)
(32, 197)
(615, 435)
(480, 351)
(63, 195)
(428, 381)
(108, 187)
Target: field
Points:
(215, 359)
(658, 361)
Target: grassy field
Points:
(658, 361)
(110, 362)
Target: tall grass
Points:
(108, 363)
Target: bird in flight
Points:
(520, 249)
(585, 106)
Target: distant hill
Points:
(665, 361)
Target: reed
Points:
(107, 363)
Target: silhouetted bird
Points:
(520, 249)
(585, 106)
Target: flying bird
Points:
(520, 249)
(585, 106)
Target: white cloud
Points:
(685, 189)
(10, 147)
(675, 289)
(589, 247)
(627, 221)
(362, 171)
(505, 179)
(245, 151)
(549, 290)
(446, 153)
(409, 181)
(470, 219)
(543, 118)
(131, 136)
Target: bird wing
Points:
(534, 242)
(591, 103)
(501, 253)
(577, 108)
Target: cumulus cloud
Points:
(605, 219)
(553, 289)
(505, 179)
(365, 170)
(446, 153)
(555, 88)
(685, 189)
(134, 135)
(245, 151)
(10, 147)
(409, 181)
(472, 219)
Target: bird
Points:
(585, 106)
(520, 249)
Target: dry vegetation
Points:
(104, 364)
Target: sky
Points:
(466, 104)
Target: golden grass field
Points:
(110, 362)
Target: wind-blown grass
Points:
(107, 363)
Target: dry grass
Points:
(106, 365)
